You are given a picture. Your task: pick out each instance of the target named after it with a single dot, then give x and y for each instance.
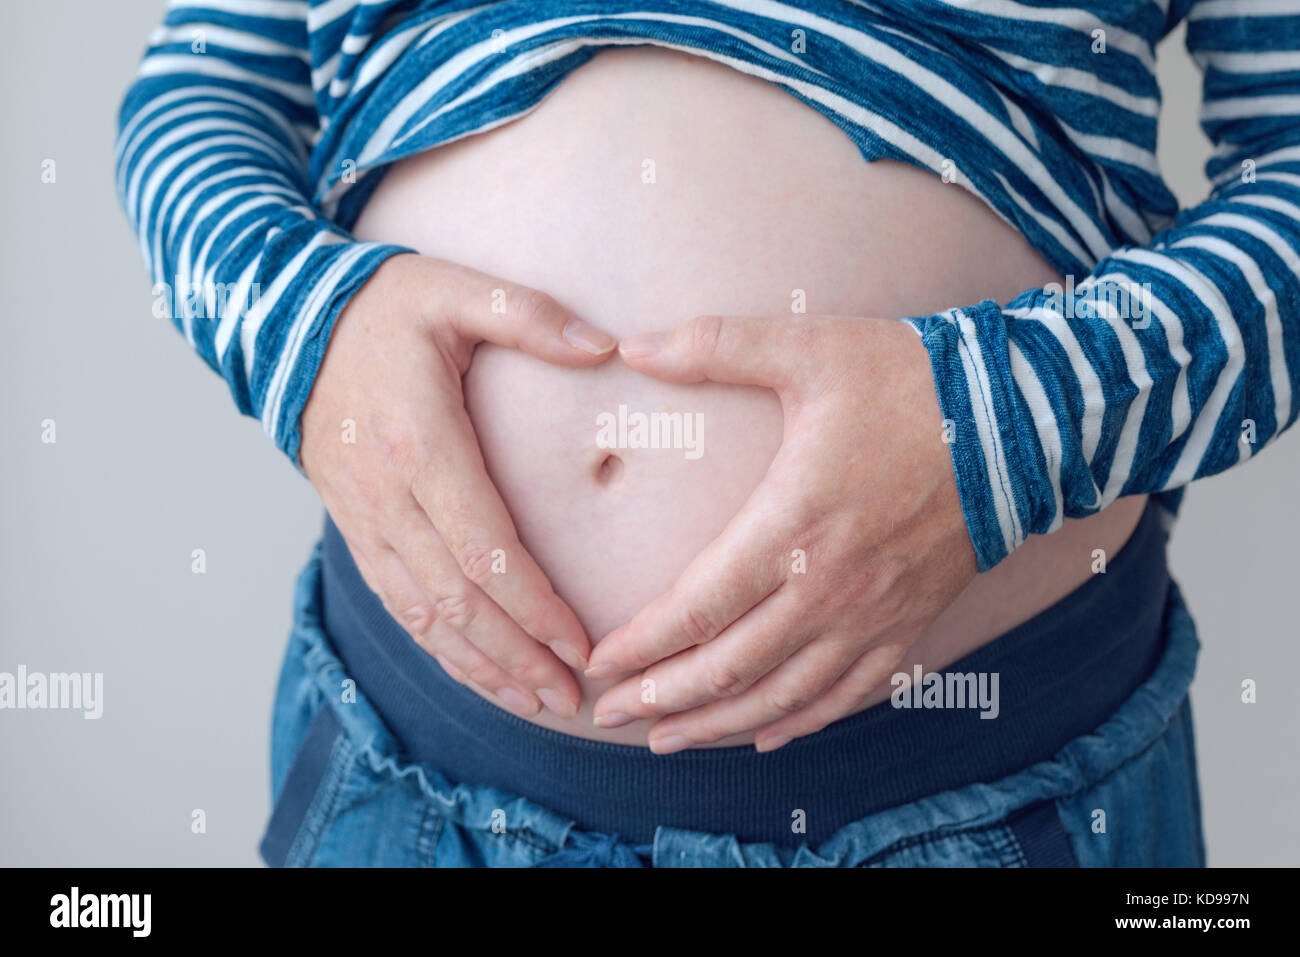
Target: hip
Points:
(348, 791)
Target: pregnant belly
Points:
(651, 187)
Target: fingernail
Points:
(570, 655)
(642, 344)
(772, 743)
(514, 701)
(601, 671)
(557, 702)
(611, 719)
(585, 336)
(669, 744)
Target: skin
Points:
(734, 222)
(742, 641)
(412, 497)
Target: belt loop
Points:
(1042, 837)
(301, 788)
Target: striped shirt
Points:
(256, 129)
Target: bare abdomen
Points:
(651, 187)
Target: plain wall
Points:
(151, 462)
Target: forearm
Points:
(211, 170)
(1173, 361)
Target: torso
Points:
(754, 196)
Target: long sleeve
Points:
(212, 170)
(1168, 363)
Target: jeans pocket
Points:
(1147, 813)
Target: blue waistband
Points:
(1060, 675)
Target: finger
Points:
(453, 672)
(480, 307)
(843, 698)
(789, 689)
(456, 654)
(452, 602)
(724, 668)
(458, 676)
(463, 506)
(389, 578)
(744, 350)
(734, 572)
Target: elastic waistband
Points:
(1059, 675)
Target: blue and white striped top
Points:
(249, 142)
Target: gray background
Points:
(151, 462)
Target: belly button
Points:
(609, 470)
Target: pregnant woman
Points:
(654, 536)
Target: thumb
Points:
(743, 350)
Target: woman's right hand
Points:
(390, 449)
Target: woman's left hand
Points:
(846, 551)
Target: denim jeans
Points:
(1124, 795)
